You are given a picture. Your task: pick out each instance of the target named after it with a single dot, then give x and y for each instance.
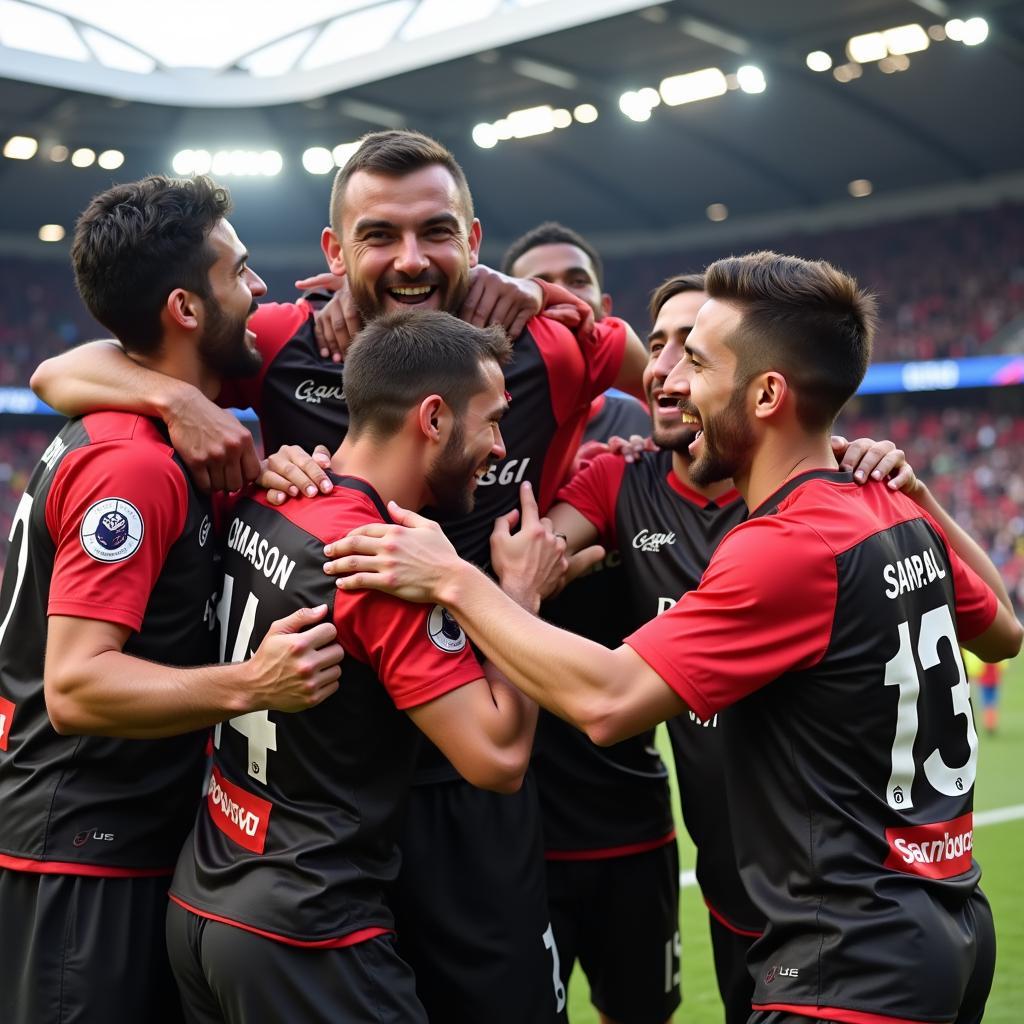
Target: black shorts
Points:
(735, 982)
(230, 976)
(84, 950)
(620, 917)
(471, 908)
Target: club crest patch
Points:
(445, 633)
(111, 530)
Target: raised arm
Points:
(218, 450)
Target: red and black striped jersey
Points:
(296, 840)
(109, 528)
(830, 622)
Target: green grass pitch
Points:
(999, 848)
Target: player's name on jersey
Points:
(264, 556)
(912, 573)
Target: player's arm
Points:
(218, 450)
(92, 687)
(634, 359)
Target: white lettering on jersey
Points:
(54, 450)
(511, 471)
(313, 394)
(646, 540)
(912, 573)
(276, 566)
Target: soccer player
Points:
(279, 908)
(112, 581)
(471, 903)
(829, 621)
(609, 837)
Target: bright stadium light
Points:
(751, 79)
(585, 113)
(635, 106)
(717, 212)
(847, 72)
(58, 154)
(318, 160)
(343, 152)
(270, 163)
(83, 157)
(51, 233)
(819, 60)
(20, 147)
(561, 118)
(905, 39)
(181, 163)
(860, 187)
(937, 32)
(110, 159)
(697, 85)
(202, 161)
(955, 30)
(485, 136)
(531, 121)
(975, 31)
(867, 48)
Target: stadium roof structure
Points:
(512, 86)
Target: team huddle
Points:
(364, 731)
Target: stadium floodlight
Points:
(485, 136)
(696, 85)
(905, 39)
(847, 72)
(975, 31)
(110, 159)
(751, 79)
(84, 157)
(717, 212)
(51, 233)
(318, 160)
(819, 60)
(58, 154)
(503, 129)
(270, 163)
(561, 118)
(343, 152)
(585, 113)
(955, 29)
(202, 161)
(181, 163)
(867, 48)
(20, 147)
(634, 106)
(860, 187)
(531, 121)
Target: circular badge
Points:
(445, 633)
(111, 530)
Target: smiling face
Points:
(675, 425)
(569, 266)
(705, 380)
(404, 242)
(226, 346)
(474, 444)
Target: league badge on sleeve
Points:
(445, 633)
(111, 530)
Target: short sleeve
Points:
(594, 493)
(274, 324)
(114, 511)
(603, 350)
(419, 652)
(764, 607)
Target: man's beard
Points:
(371, 301)
(729, 453)
(451, 476)
(673, 439)
(223, 348)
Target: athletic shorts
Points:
(471, 908)
(230, 976)
(84, 950)
(735, 982)
(620, 918)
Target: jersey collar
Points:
(698, 499)
(771, 504)
(355, 483)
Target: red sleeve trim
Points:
(437, 689)
(351, 939)
(60, 867)
(728, 925)
(101, 613)
(610, 852)
(833, 1013)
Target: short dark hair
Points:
(670, 288)
(395, 154)
(136, 243)
(550, 233)
(804, 318)
(400, 358)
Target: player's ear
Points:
(331, 246)
(606, 304)
(432, 417)
(770, 393)
(476, 236)
(183, 309)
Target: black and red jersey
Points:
(830, 620)
(552, 379)
(666, 533)
(109, 528)
(296, 840)
(599, 802)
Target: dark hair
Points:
(551, 233)
(395, 154)
(401, 357)
(670, 288)
(804, 318)
(136, 243)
